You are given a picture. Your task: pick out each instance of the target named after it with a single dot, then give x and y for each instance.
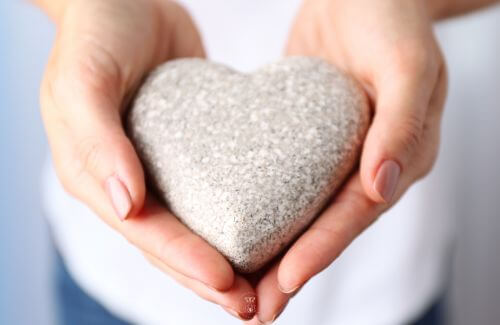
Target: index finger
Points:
(349, 214)
(159, 233)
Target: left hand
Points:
(390, 48)
(102, 51)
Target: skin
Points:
(102, 50)
(390, 48)
(100, 55)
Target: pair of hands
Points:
(104, 48)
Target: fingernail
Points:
(119, 196)
(240, 315)
(386, 179)
(289, 290)
(249, 307)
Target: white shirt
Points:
(389, 275)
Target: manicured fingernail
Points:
(288, 290)
(239, 315)
(119, 196)
(249, 307)
(386, 179)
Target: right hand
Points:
(102, 51)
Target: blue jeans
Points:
(75, 307)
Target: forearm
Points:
(448, 8)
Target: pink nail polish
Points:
(249, 307)
(386, 180)
(119, 196)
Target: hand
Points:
(389, 47)
(102, 51)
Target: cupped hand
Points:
(390, 48)
(102, 51)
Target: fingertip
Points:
(130, 172)
(241, 300)
(371, 160)
(247, 305)
(289, 281)
(368, 182)
(379, 171)
(222, 278)
(119, 196)
(208, 265)
(386, 180)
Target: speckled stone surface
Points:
(247, 160)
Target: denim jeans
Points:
(75, 307)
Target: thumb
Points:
(85, 128)
(103, 151)
(394, 136)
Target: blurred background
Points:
(472, 47)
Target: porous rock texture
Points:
(247, 160)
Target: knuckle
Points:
(87, 155)
(68, 177)
(164, 246)
(86, 75)
(75, 165)
(413, 58)
(424, 159)
(97, 71)
(410, 133)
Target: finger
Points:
(402, 101)
(177, 246)
(99, 148)
(271, 300)
(92, 72)
(187, 41)
(162, 235)
(86, 89)
(240, 300)
(425, 157)
(349, 214)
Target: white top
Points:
(389, 275)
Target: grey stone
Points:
(247, 160)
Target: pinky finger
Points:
(240, 300)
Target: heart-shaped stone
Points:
(247, 160)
